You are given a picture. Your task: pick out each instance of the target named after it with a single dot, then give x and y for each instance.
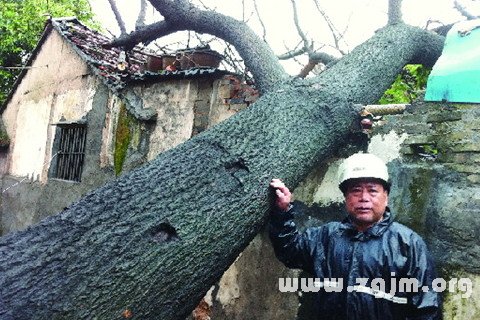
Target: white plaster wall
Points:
(173, 101)
(28, 153)
(73, 105)
(57, 86)
(387, 146)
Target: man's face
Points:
(365, 202)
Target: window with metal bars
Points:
(70, 151)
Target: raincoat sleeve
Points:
(294, 249)
(425, 305)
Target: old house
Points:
(81, 114)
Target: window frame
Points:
(69, 151)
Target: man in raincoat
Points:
(367, 266)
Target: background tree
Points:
(21, 24)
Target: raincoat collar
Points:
(374, 231)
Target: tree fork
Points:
(152, 242)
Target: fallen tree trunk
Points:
(151, 243)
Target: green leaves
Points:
(21, 25)
(408, 86)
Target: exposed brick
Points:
(445, 115)
(463, 168)
(466, 147)
(474, 178)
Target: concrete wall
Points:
(57, 87)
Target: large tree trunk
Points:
(155, 240)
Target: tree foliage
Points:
(408, 85)
(21, 25)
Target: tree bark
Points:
(140, 23)
(151, 243)
(395, 11)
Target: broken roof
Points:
(114, 66)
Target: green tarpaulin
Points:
(456, 75)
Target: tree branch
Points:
(180, 15)
(306, 44)
(395, 11)
(118, 16)
(463, 11)
(424, 50)
(315, 59)
(297, 51)
(257, 12)
(337, 36)
(140, 23)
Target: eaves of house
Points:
(116, 68)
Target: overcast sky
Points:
(359, 17)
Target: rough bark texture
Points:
(155, 240)
(395, 11)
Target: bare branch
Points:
(337, 36)
(463, 11)
(118, 16)
(395, 11)
(300, 32)
(307, 69)
(264, 30)
(297, 51)
(438, 27)
(315, 59)
(140, 23)
(324, 58)
(145, 35)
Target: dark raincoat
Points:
(362, 270)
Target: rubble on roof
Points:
(118, 68)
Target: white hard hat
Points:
(363, 165)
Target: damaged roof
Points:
(114, 66)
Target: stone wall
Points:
(437, 190)
(432, 151)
